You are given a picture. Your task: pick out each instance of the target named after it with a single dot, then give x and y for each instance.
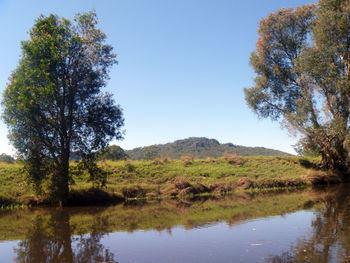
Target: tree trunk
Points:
(60, 181)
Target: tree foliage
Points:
(113, 153)
(6, 158)
(302, 62)
(53, 103)
(151, 153)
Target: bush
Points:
(129, 166)
(233, 158)
(181, 182)
(186, 160)
(165, 159)
(133, 191)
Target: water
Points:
(294, 226)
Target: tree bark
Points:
(60, 181)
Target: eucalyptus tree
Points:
(54, 104)
(302, 63)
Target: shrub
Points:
(133, 191)
(165, 158)
(186, 160)
(220, 187)
(157, 161)
(244, 183)
(129, 166)
(233, 158)
(181, 182)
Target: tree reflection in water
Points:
(52, 241)
(330, 237)
(76, 234)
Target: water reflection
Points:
(329, 240)
(81, 234)
(50, 240)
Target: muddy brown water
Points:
(311, 225)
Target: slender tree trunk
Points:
(61, 181)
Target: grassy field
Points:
(164, 177)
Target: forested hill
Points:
(197, 148)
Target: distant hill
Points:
(197, 148)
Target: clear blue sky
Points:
(182, 65)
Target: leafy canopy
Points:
(113, 153)
(53, 103)
(302, 63)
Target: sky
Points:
(182, 65)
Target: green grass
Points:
(13, 187)
(158, 178)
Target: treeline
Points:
(4, 158)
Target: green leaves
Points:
(54, 104)
(282, 36)
(302, 62)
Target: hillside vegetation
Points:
(198, 147)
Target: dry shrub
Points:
(181, 182)
(278, 182)
(182, 187)
(187, 190)
(160, 161)
(233, 159)
(322, 177)
(244, 183)
(165, 158)
(200, 188)
(186, 160)
(170, 190)
(220, 187)
(194, 189)
(133, 191)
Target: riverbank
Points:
(174, 178)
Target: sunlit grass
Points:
(154, 179)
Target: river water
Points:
(311, 225)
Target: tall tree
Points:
(53, 103)
(302, 62)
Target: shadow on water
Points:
(329, 240)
